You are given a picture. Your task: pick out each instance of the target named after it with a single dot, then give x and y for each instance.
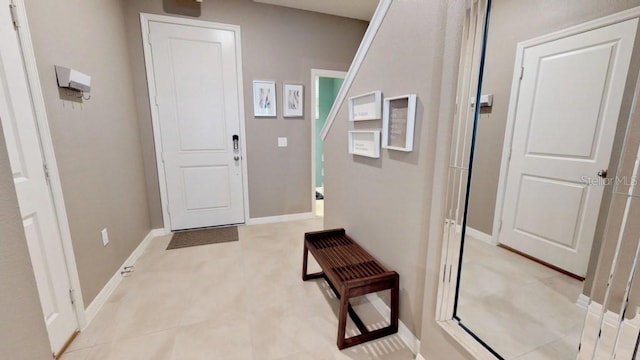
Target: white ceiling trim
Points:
(355, 9)
(369, 36)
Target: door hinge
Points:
(149, 38)
(14, 16)
(72, 296)
(521, 72)
(500, 226)
(46, 172)
(155, 98)
(510, 152)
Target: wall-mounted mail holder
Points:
(73, 79)
(364, 143)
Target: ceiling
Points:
(355, 9)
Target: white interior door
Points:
(567, 112)
(36, 205)
(196, 80)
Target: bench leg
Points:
(342, 321)
(365, 335)
(395, 305)
(305, 258)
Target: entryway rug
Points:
(182, 239)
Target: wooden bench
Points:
(351, 272)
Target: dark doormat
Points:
(182, 239)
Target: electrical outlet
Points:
(105, 237)
(282, 142)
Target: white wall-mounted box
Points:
(366, 106)
(485, 100)
(365, 143)
(398, 122)
(72, 79)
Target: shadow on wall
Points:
(182, 7)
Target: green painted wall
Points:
(328, 90)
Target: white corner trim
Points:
(420, 357)
(317, 73)
(280, 218)
(412, 342)
(583, 301)
(363, 49)
(112, 284)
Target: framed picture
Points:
(399, 117)
(365, 143)
(366, 106)
(293, 100)
(264, 98)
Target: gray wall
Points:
(279, 44)
(24, 335)
(96, 142)
(383, 203)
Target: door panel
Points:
(574, 118)
(567, 112)
(550, 210)
(34, 198)
(213, 178)
(196, 81)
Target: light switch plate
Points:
(105, 237)
(282, 142)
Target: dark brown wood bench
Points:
(351, 272)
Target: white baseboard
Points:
(476, 234)
(92, 310)
(280, 218)
(420, 357)
(479, 235)
(405, 334)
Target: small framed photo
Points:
(398, 121)
(264, 98)
(293, 100)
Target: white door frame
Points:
(155, 118)
(314, 74)
(515, 92)
(46, 143)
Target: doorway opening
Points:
(326, 85)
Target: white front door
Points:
(198, 99)
(567, 113)
(36, 205)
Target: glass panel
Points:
(539, 232)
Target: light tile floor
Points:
(238, 300)
(523, 310)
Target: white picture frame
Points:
(365, 143)
(398, 122)
(366, 106)
(264, 98)
(293, 100)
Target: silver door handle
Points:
(236, 158)
(602, 173)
